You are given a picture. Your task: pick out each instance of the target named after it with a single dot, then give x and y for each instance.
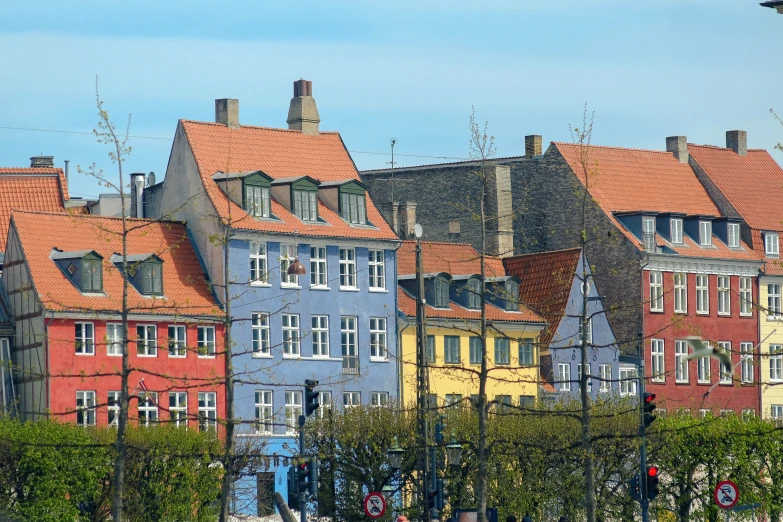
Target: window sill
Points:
(320, 288)
(348, 289)
(682, 382)
(703, 383)
(206, 356)
(724, 314)
(378, 360)
(323, 358)
(87, 354)
(151, 356)
(178, 356)
(292, 356)
(113, 355)
(654, 381)
(262, 356)
(288, 285)
(681, 312)
(702, 313)
(746, 316)
(656, 311)
(378, 290)
(258, 284)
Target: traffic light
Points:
(652, 482)
(312, 482)
(310, 397)
(635, 486)
(439, 503)
(303, 476)
(648, 407)
(293, 488)
(432, 499)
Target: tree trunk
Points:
(228, 457)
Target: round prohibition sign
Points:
(374, 505)
(726, 494)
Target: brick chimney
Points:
(678, 145)
(42, 162)
(227, 112)
(303, 113)
(737, 140)
(533, 145)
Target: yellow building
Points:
(452, 289)
(771, 349)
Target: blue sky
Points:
(404, 69)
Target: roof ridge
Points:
(255, 127)
(559, 251)
(94, 217)
(614, 147)
(445, 164)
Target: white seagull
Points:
(703, 349)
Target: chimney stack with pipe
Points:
(137, 195)
(303, 113)
(42, 162)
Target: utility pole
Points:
(302, 491)
(422, 379)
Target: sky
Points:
(410, 70)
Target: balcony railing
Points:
(648, 238)
(351, 364)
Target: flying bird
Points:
(703, 349)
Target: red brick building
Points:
(63, 275)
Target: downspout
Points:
(46, 365)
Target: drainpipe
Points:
(46, 364)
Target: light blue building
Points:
(287, 195)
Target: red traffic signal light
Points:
(651, 488)
(652, 471)
(649, 397)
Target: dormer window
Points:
(306, 204)
(152, 277)
(83, 268)
(705, 233)
(474, 294)
(648, 233)
(675, 225)
(771, 244)
(144, 272)
(441, 292)
(733, 232)
(92, 274)
(257, 201)
(353, 208)
(512, 295)
(250, 190)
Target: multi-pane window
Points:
(511, 297)
(377, 270)
(152, 278)
(85, 338)
(502, 351)
(704, 371)
(453, 399)
(320, 334)
(724, 295)
(318, 266)
(776, 412)
(527, 401)
(441, 292)
(257, 201)
(451, 349)
(705, 233)
(702, 294)
(114, 342)
(771, 244)
(293, 409)
(431, 349)
(147, 340)
(656, 291)
(379, 398)
(91, 275)
(627, 381)
(348, 342)
(264, 412)
(206, 341)
(353, 208)
(734, 235)
(503, 401)
(258, 266)
(704, 412)
(351, 399)
(207, 411)
(178, 409)
(85, 408)
(306, 205)
(648, 234)
(474, 343)
(585, 336)
(113, 405)
(259, 324)
(526, 352)
(378, 338)
(773, 301)
(325, 402)
(605, 373)
(148, 408)
(676, 230)
(288, 255)
(680, 293)
(681, 361)
(658, 367)
(474, 294)
(746, 359)
(746, 296)
(776, 362)
(347, 268)
(725, 370)
(589, 376)
(564, 376)
(177, 341)
(290, 335)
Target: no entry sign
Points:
(726, 494)
(374, 505)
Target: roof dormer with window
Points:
(699, 229)
(771, 244)
(728, 231)
(466, 291)
(298, 195)
(349, 199)
(503, 292)
(250, 190)
(84, 268)
(144, 272)
(642, 224)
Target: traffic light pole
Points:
(644, 501)
(302, 492)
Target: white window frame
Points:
(378, 350)
(724, 295)
(113, 407)
(259, 325)
(147, 346)
(377, 270)
(628, 378)
(733, 234)
(325, 402)
(776, 411)
(725, 372)
(288, 254)
(178, 408)
(746, 358)
(352, 399)
(771, 244)
(114, 342)
(775, 363)
(589, 376)
(648, 233)
(148, 408)
(354, 208)
(84, 336)
(588, 334)
(257, 202)
(206, 341)
(259, 271)
(705, 233)
(349, 335)
(291, 335)
(207, 411)
(318, 267)
(379, 399)
(348, 268)
(702, 294)
(293, 409)
(680, 293)
(656, 291)
(746, 296)
(265, 416)
(675, 230)
(704, 370)
(306, 205)
(681, 374)
(564, 376)
(658, 360)
(773, 301)
(320, 335)
(178, 340)
(85, 408)
(605, 374)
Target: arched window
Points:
(441, 292)
(474, 294)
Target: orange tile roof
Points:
(407, 305)
(186, 292)
(452, 258)
(546, 281)
(279, 153)
(41, 189)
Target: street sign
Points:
(726, 494)
(374, 505)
